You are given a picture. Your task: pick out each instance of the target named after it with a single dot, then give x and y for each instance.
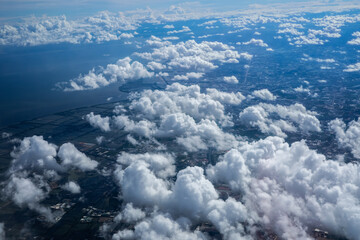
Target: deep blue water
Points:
(28, 76)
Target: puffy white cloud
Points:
(353, 67)
(160, 226)
(183, 29)
(324, 33)
(122, 71)
(126, 35)
(169, 26)
(191, 193)
(211, 22)
(224, 97)
(192, 197)
(328, 26)
(130, 214)
(347, 136)
(72, 187)
(189, 75)
(264, 94)
(140, 186)
(355, 41)
(191, 55)
(228, 216)
(308, 40)
(24, 192)
(70, 156)
(184, 129)
(98, 122)
(292, 189)
(292, 25)
(246, 56)
(301, 89)
(257, 42)
(178, 98)
(156, 42)
(290, 30)
(232, 170)
(35, 165)
(155, 66)
(34, 153)
(160, 164)
(274, 119)
(319, 60)
(37, 155)
(207, 133)
(181, 112)
(192, 143)
(104, 26)
(171, 38)
(231, 79)
(142, 128)
(124, 234)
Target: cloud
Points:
(162, 165)
(36, 154)
(227, 217)
(190, 55)
(264, 94)
(155, 66)
(301, 89)
(232, 170)
(191, 197)
(124, 70)
(34, 165)
(356, 40)
(130, 214)
(169, 26)
(328, 26)
(178, 98)
(319, 60)
(99, 122)
(292, 189)
(348, 136)
(107, 26)
(231, 79)
(191, 193)
(211, 22)
(24, 192)
(182, 113)
(184, 29)
(275, 119)
(187, 76)
(72, 187)
(224, 97)
(71, 157)
(257, 42)
(246, 56)
(142, 128)
(126, 35)
(103, 27)
(352, 68)
(160, 226)
(140, 185)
